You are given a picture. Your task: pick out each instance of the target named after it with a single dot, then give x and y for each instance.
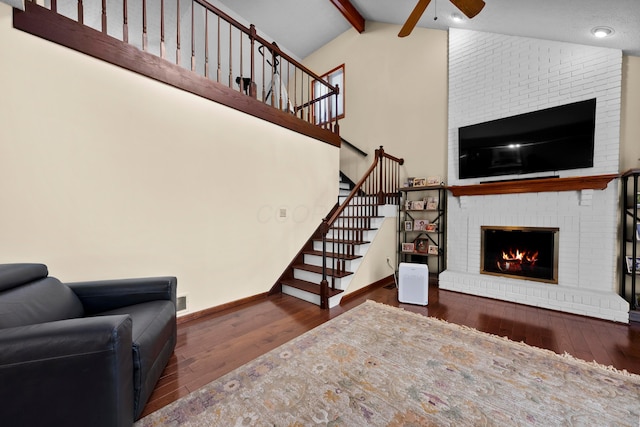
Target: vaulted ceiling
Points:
(302, 26)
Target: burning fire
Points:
(515, 261)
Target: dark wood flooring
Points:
(211, 346)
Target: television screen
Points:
(553, 139)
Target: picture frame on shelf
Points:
(408, 247)
(417, 205)
(434, 180)
(408, 226)
(433, 250)
(420, 224)
(419, 182)
(431, 204)
(422, 246)
(432, 226)
(407, 205)
(410, 181)
(630, 264)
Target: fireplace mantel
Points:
(593, 182)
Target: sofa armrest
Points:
(104, 295)
(70, 372)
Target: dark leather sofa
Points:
(81, 354)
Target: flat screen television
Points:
(549, 140)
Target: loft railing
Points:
(195, 36)
(346, 227)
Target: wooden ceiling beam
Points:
(350, 13)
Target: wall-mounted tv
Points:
(549, 140)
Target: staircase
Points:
(355, 233)
(325, 266)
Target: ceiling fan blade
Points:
(469, 7)
(413, 19)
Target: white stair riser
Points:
(358, 250)
(303, 295)
(365, 235)
(309, 297)
(350, 265)
(340, 283)
(360, 211)
(359, 222)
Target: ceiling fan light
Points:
(456, 17)
(602, 32)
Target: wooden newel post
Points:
(380, 157)
(324, 285)
(253, 90)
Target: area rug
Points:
(383, 366)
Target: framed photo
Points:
(410, 181)
(420, 224)
(431, 204)
(417, 205)
(419, 182)
(408, 247)
(408, 226)
(433, 250)
(434, 180)
(431, 227)
(630, 265)
(422, 246)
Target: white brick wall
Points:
(493, 76)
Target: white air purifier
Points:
(413, 283)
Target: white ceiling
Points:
(302, 26)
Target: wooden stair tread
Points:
(333, 255)
(308, 286)
(318, 270)
(353, 228)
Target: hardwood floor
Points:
(211, 346)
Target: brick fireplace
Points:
(493, 76)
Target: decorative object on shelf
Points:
(408, 226)
(434, 180)
(420, 224)
(410, 181)
(431, 227)
(433, 250)
(417, 205)
(407, 205)
(422, 245)
(419, 182)
(408, 247)
(630, 264)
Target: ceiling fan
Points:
(469, 7)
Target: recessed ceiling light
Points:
(456, 17)
(602, 32)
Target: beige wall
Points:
(107, 174)
(630, 122)
(395, 96)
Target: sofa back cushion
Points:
(38, 301)
(12, 275)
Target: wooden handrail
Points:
(379, 185)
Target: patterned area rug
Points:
(383, 366)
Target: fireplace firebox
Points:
(520, 252)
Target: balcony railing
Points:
(196, 37)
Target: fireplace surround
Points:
(492, 76)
